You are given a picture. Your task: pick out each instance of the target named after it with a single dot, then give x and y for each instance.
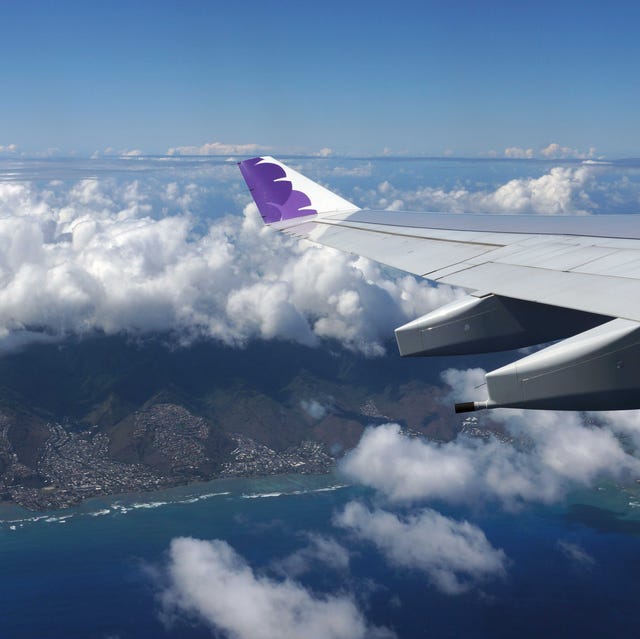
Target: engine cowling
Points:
(489, 323)
(598, 369)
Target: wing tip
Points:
(273, 191)
(282, 193)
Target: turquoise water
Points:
(92, 571)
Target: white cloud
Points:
(560, 191)
(396, 205)
(464, 384)
(516, 152)
(578, 453)
(218, 148)
(407, 469)
(455, 555)
(576, 553)
(264, 309)
(98, 258)
(577, 447)
(90, 257)
(555, 151)
(208, 580)
(8, 148)
(625, 423)
(320, 550)
(561, 453)
(111, 152)
(313, 408)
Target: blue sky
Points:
(423, 78)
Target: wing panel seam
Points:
(413, 237)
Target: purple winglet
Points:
(275, 197)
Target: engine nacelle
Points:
(489, 323)
(596, 370)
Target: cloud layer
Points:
(94, 258)
(552, 151)
(218, 148)
(143, 254)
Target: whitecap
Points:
(150, 504)
(330, 488)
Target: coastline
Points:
(254, 487)
(609, 507)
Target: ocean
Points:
(96, 571)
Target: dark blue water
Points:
(92, 574)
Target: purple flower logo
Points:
(276, 198)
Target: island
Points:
(108, 415)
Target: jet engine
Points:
(598, 369)
(595, 367)
(484, 324)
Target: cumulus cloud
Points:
(8, 148)
(407, 469)
(90, 257)
(555, 151)
(209, 581)
(455, 555)
(560, 191)
(559, 452)
(218, 148)
(516, 152)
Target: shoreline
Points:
(585, 506)
(233, 487)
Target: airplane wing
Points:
(531, 279)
